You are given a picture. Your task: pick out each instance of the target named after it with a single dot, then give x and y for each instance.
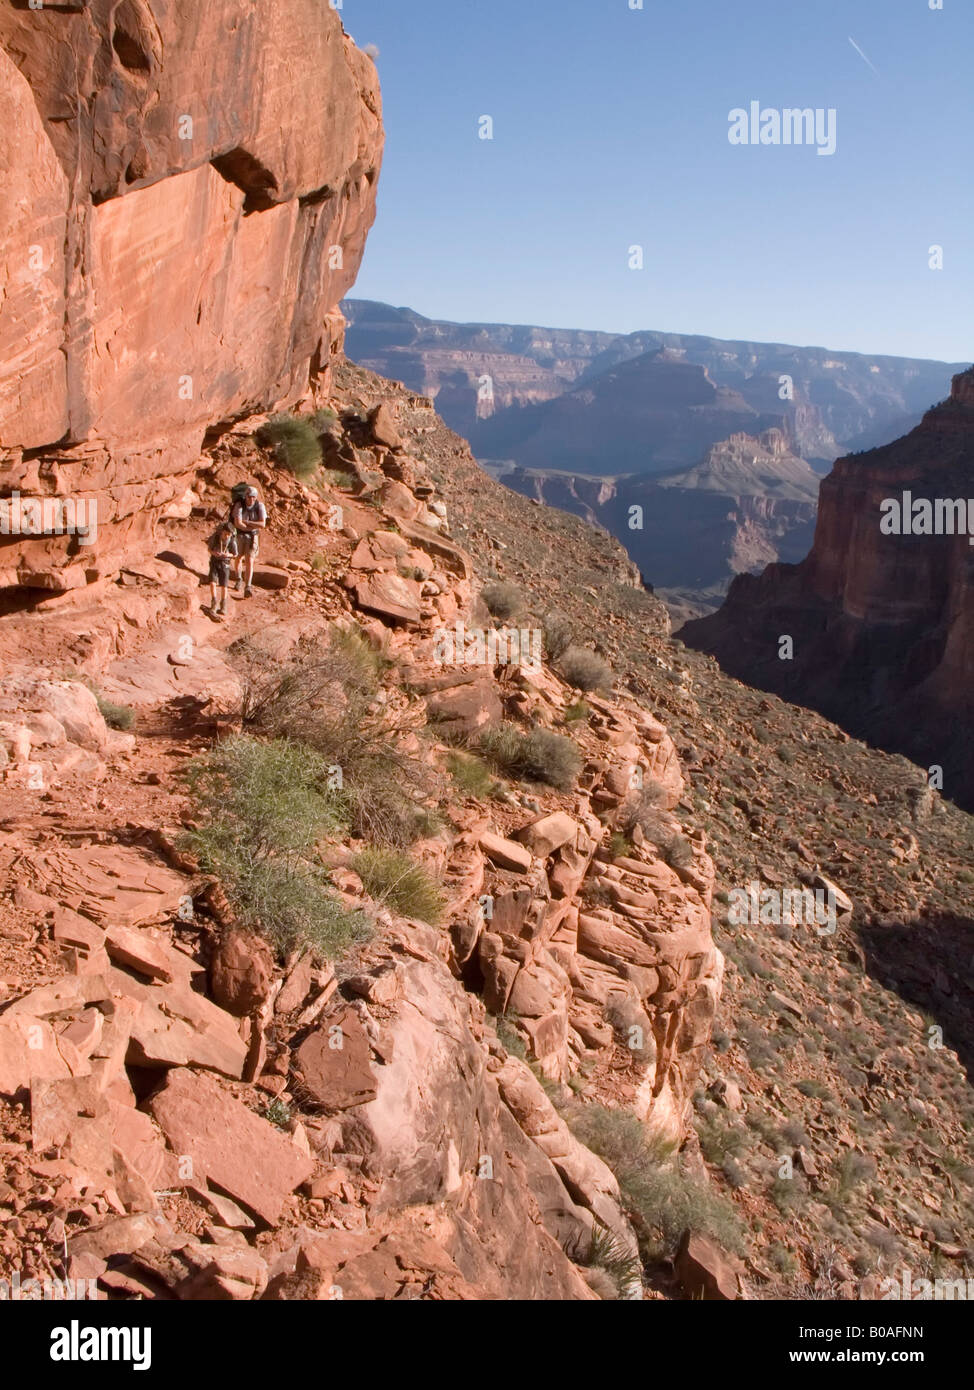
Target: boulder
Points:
(29, 1052)
(137, 950)
(241, 972)
(704, 1270)
(470, 705)
(389, 595)
(549, 833)
(271, 577)
(334, 1063)
(223, 1273)
(228, 1144)
(505, 854)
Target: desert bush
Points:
(787, 1194)
(337, 477)
(294, 442)
(325, 697)
(503, 600)
(782, 1259)
(537, 756)
(471, 774)
(278, 1113)
(559, 631)
(645, 805)
(509, 1038)
(610, 1255)
(620, 846)
(645, 808)
(661, 1200)
(576, 711)
(584, 670)
(398, 881)
(115, 716)
(677, 851)
(262, 806)
(733, 1172)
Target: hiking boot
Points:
(235, 585)
(248, 592)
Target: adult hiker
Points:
(249, 517)
(222, 546)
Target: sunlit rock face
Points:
(189, 189)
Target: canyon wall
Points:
(839, 400)
(189, 190)
(882, 624)
(749, 502)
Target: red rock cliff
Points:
(188, 192)
(882, 624)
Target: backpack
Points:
(237, 494)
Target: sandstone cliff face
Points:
(882, 623)
(189, 192)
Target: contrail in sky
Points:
(862, 55)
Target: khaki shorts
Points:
(248, 542)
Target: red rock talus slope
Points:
(883, 625)
(188, 189)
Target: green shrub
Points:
(718, 1141)
(319, 561)
(294, 442)
(584, 669)
(278, 1113)
(537, 756)
(262, 807)
(337, 477)
(325, 697)
(509, 1038)
(576, 711)
(619, 846)
(610, 1253)
(273, 792)
(503, 600)
(398, 881)
(115, 716)
(470, 774)
(661, 1200)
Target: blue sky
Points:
(611, 130)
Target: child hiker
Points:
(222, 546)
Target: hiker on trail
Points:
(249, 517)
(222, 546)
